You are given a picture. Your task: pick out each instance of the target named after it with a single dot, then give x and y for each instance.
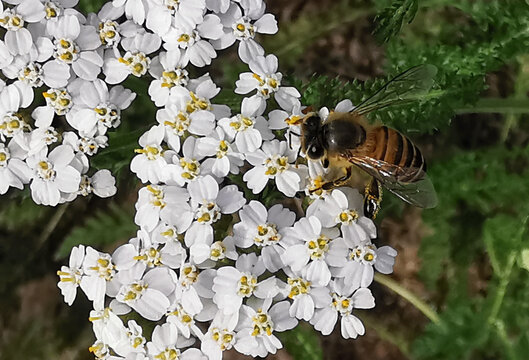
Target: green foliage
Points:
(389, 21)
(460, 331)
(88, 6)
(120, 152)
(302, 343)
(103, 228)
(20, 211)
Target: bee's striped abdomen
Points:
(394, 148)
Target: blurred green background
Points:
(467, 260)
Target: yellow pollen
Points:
(258, 78)
(138, 68)
(293, 120)
(271, 171)
(51, 96)
(103, 262)
(345, 303)
(169, 233)
(261, 230)
(204, 218)
(154, 191)
(68, 56)
(131, 295)
(64, 102)
(137, 342)
(184, 38)
(272, 83)
(14, 124)
(51, 13)
(241, 27)
(101, 111)
(368, 257)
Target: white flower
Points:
(185, 169)
(208, 204)
(85, 145)
(135, 61)
(264, 229)
(267, 81)
(70, 276)
(168, 203)
(248, 128)
(206, 255)
(343, 304)
(163, 13)
(109, 30)
(99, 271)
(18, 39)
(53, 175)
(358, 270)
(274, 161)
(226, 159)
(201, 91)
(164, 345)
(280, 119)
(12, 122)
(14, 172)
(218, 339)
(233, 284)
(244, 28)
(75, 46)
(255, 335)
(96, 108)
(134, 9)
(150, 162)
(178, 120)
(169, 71)
(306, 296)
(313, 250)
(148, 296)
(344, 206)
(102, 184)
(191, 40)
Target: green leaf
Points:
(462, 329)
(103, 228)
(21, 212)
(302, 343)
(390, 20)
(120, 151)
(523, 260)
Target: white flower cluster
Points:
(213, 270)
(51, 48)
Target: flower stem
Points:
(497, 105)
(408, 295)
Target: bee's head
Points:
(312, 140)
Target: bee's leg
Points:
(338, 182)
(372, 199)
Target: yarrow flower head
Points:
(233, 245)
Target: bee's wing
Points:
(403, 88)
(410, 184)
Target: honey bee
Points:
(388, 158)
